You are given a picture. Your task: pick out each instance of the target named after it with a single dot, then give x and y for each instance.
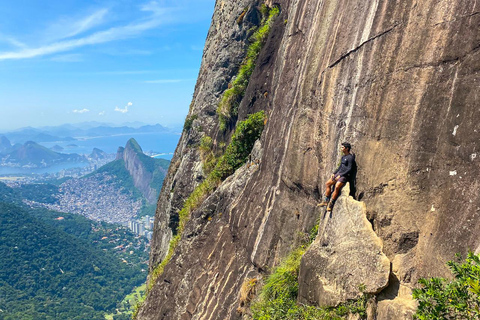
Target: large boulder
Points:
(345, 259)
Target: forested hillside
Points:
(63, 266)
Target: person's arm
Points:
(335, 172)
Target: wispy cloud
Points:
(12, 41)
(67, 27)
(125, 109)
(80, 111)
(88, 22)
(157, 17)
(101, 113)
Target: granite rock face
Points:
(142, 176)
(398, 80)
(345, 256)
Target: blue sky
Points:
(70, 61)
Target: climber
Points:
(339, 177)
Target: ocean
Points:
(158, 143)
(162, 145)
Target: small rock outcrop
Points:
(346, 255)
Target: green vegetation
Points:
(245, 135)
(39, 192)
(64, 266)
(124, 180)
(128, 304)
(206, 154)
(228, 106)
(161, 168)
(277, 299)
(189, 121)
(459, 298)
(9, 195)
(100, 235)
(235, 156)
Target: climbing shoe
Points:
(322, 204)
(330, 206)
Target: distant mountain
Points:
(37, 135)
(134, 124)
(147, 172)
(4, 144)
(67, 132)
(107, 131)
(35, 155)
(116, 192)
(135, 171)
(57, 148)
(98, 154)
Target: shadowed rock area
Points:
(345, 255)
(398, 80)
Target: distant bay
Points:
(51, 169)
(161, 143)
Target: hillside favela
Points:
(240, 160)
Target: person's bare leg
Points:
(338, 189)
(328, 192)
(336, 193)
(328, 187)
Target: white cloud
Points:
(67, 27)
(88, 22)
(80, 111)
(125, 109)
(12, 41)
(101, 113)
(158, 16)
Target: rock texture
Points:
(397, 79)
(345, 256)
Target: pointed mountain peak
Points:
(132, 144)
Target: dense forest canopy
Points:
(64, 266)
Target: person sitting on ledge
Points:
(339, 177)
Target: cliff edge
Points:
(399, 81)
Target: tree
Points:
(457, 299)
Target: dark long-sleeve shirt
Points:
(345, 168)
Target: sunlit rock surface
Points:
(397, 79)
(345, 259)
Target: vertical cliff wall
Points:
(398, 80)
